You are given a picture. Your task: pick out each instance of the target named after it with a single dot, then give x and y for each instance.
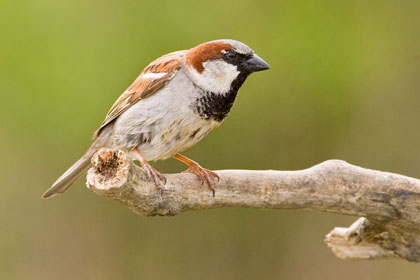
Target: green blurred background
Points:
(344, 83)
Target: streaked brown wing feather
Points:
(143, 88)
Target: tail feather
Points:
(80, 166)
(71, 175)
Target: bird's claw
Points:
(157, 177)
(204, 175)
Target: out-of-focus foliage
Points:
(344, 83)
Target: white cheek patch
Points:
(153, 75)
(217, 76)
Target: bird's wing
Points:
(156, 75)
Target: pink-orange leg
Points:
(150, 171)
(202, 173)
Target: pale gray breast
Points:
(164, 123)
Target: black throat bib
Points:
(217, 106)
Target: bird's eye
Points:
(231, 55)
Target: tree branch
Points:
(390, 202)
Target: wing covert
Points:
(156, 75)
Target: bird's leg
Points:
(202, 173)
(150, 171)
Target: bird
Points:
(173, 104)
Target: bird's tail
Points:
(80, 166)
(71, 175)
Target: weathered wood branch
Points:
(389, 202)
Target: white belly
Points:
(163, 124)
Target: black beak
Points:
(255, 63)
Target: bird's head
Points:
(222, 65)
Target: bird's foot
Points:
(204, 175)
(152, 173)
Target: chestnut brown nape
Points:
(203, 52)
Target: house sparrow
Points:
(174, 102)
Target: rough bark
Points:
(389, 203)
